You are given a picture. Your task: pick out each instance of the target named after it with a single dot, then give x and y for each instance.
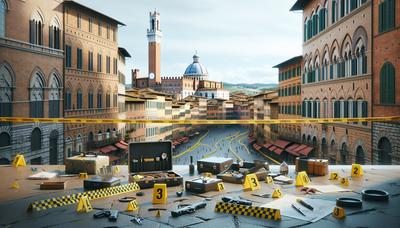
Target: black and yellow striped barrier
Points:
(198, 122)
(43, 205)
(254, 211)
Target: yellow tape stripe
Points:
(42, 205)
(254, 211)
(210, 122)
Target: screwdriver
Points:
(302, 202)
(298, 210)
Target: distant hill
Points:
(249, 88)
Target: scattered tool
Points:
(126, 199)
(137, 220)
(298, 209)
(102, 214)
(139, 193)
(262, 195)
(305, 204)
(228, 199)
(156, 209)
(113, 215)
(188, 209)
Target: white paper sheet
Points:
(42, 176)
(328, 188)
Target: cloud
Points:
(238, 41)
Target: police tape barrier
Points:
(198, 122)
(238, 209)
(43, 205)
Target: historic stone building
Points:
(193, 82)
(91, 77)
(31, 79)
(290, 97)
(386, 80)
(337, 77)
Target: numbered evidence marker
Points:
(84, 205)
(83, 175)
(251, 182)
(19, 160)
(160, 194)
(344, 181)
(269, 180)
(334, 176)
(338, 212)
(302, 179)
(356, 170)
(220, 187)
(132, 206)
(277, 193)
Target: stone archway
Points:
(360, 155)
(384, 151)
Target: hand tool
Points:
(298, 210)
(156, 209)
(137, 220)
(113, 215)
(188, 209)
(262, 196)
(305, 204)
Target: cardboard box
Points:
(90, 164)
(316, 167)
(150, 163)
(214, 165)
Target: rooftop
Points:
(289, 61)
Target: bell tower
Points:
(154, 35)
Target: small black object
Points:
(179, 194)
(348, 202)
(156, 209)
(126, 199)
(191, 166)
(102, 214)
(139, 193)
(188, 209)
(228, 199)
(113, 215)
(374, 195)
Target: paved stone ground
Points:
(229, 141)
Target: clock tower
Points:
(154, 35)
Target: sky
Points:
(237, 41)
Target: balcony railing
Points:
(24, 46)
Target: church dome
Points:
(196, 69)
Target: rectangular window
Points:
(54, 108)
(79, 59)
(90, 61)
(387, 12)
(90, 24)
(114, 35)
(90, 100)
(68, 56)
(99, 28)
(115, 66)
(79, 20)
(108, 63)
(108, 32)
(99, 63)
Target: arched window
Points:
(384, 151)
(334, 11)
(100, 99)
(108, 100)
(54, 97)
(5, 139)
(387, 84)
(6, 96)
(79, 99)
(36, 29)
(360, 157)
(343, 154)
(90, 99)
(54, 34)
(36, 139)
(36, 96)
(108, 133)
(3, 8)
(68, 99)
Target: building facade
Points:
(386, 81)
(31, 79)
(265, 108)
(289, 93)
(91, 77)
(336, 79)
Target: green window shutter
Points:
(380, 17)
(391, 13)
(333, 11)
(390, 77)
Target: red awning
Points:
(266, 146)
(291, 149)
(281, 143)
(306, 150)
(302, 146)
(121, 146)
(278, 151)
(113, 158)
(123, 142)
(108, 149)
(272, 148)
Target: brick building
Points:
(31, 79)
(91, 77)
(290, 97)
(337, 77)
(386, 81)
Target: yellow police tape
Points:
(42, 205)
(195, 122)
